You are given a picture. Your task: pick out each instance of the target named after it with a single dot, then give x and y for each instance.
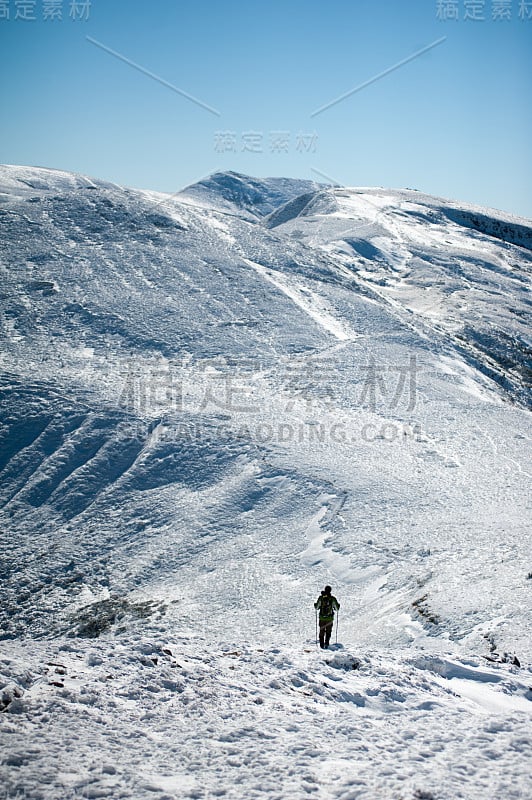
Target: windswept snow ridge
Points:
(212, 404)
(307, 301)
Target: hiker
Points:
(327, 604)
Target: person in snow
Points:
(326, 604)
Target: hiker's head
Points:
(327, 590)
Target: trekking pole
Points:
(337, 615)
(316, 615)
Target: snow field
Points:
(182, 720)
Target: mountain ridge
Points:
(203, 420)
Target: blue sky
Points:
(455, 121)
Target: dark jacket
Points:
(327, 605)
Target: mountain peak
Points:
(253, 198)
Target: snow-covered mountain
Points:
(212, 404)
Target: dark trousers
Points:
(325, 633)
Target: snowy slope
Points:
(463, 270)
(215, 402)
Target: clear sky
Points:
(454, 121)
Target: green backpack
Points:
(326, 606)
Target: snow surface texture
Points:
(213, 404)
